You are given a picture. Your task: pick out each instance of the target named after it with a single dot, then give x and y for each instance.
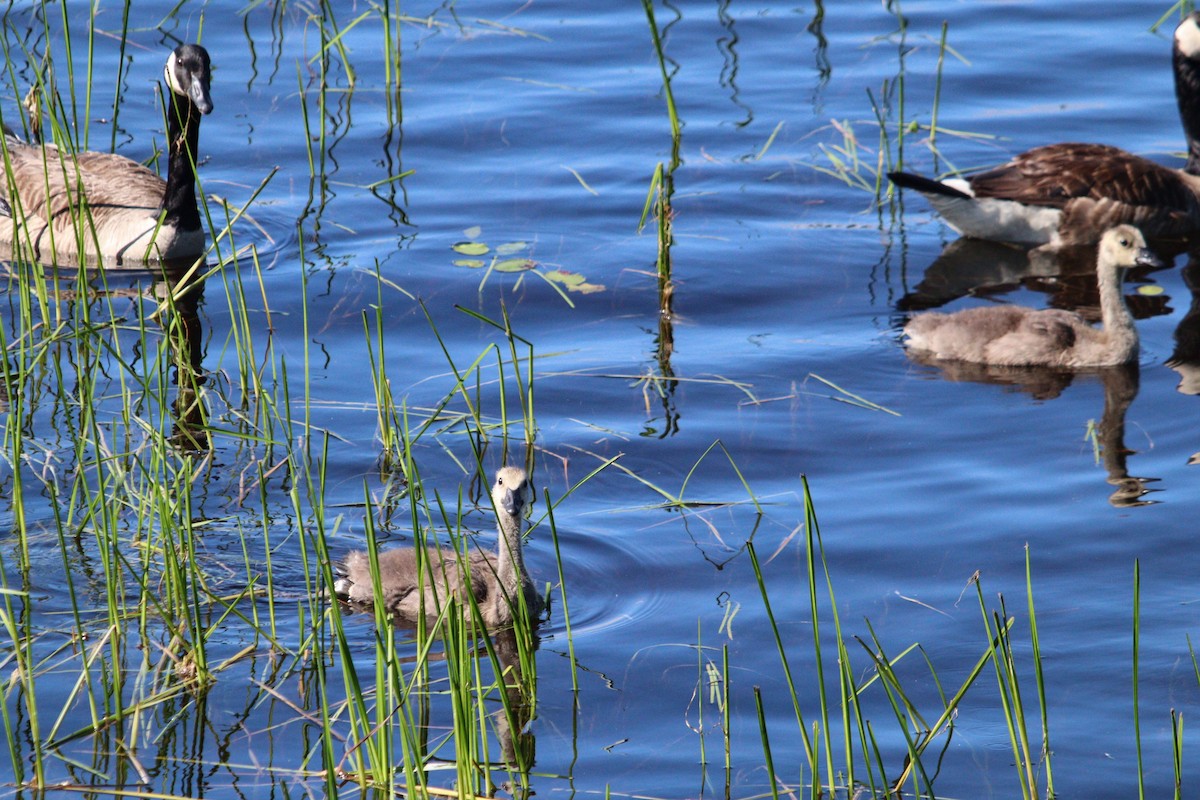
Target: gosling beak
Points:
(1145, 257)
(513, 503)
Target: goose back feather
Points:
(57, 206)
(1070, 193)
(1015, 336)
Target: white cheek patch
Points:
(173, 80)
(1187, 36)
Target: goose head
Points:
(1186, 59)
(188, 74)
(512, 492)
(1124, 247)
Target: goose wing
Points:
(1056, 174)
(45, 183)
(1056, 329)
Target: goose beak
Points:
(513, 503)
(198, 93)
(1145, 257)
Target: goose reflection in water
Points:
(969, 267)
(171, 295)
(977, 268)
(1186, 358)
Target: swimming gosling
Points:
(56, 205)
(1016, 336)
(494, 579)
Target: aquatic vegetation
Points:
(505, 258)
(185, 456)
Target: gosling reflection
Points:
(1120, 390)
(515, 674)
(1046, 383)
(512, 720)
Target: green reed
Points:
(141, 426)
(847, 159)
(855, 760)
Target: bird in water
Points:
(1070, 193)
(1018, 336)
(57, 206)
(497, 581)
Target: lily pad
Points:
(470, 248)
(515, 265)
(473, 263)
(573, 281)
(473, 232)
(508, 248)
(1149, 290)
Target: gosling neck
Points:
(1114, 314)
(183, 137)
(510, 563)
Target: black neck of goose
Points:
(1187, 94)
(183, 136)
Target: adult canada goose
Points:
(496, 580)
(55, 206)
(1063, 194)
(1018, 336)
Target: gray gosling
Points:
(493, 579)
(1016, 336)
(55, 206)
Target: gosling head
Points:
(188, 74)
(512, 492)
(1125, 246)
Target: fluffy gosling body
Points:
(497, 580)
(1018, 336)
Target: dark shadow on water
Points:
(1186, 357)
(978, 268)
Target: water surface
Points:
(543, 123)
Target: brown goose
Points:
(496, 580)
(55, 206)
(1065, 194)
(1016, 336)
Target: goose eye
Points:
(1124, 242)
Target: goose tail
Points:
(928, 186)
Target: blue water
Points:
(782, 273)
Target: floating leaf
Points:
(470, 248)
(508, 248)
(515, 265)
(473, 232)
(573, 281)
(1149, 290)
(473, 263)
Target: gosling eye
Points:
(1125, 242)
